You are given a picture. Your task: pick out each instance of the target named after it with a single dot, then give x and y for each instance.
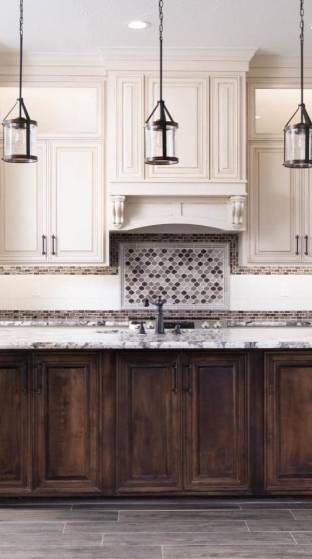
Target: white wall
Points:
(46, 292)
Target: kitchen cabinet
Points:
(53, 212)
(15, 452)
(148, 420)
(210, 111)
(288, 423)
(67, 408)
(280, 208)
(217, 422)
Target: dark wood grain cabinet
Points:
(149, 452)
(288, 423)
(15, 453)
(155, 422)
(67, 423)
(217, 423)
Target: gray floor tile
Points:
(165, 526)
(302, 514)
(303, 537)
(76, 552)
(276, 524)
(196, 538)
(31, 527)
(238, 552)
(192, 515)
(59, 539)
(55, 515)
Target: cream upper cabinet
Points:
(226, 129)
(23, 210)
(210, 110)
(280, 200)
(275, 199)
(76, 202)
(186, 99)
(53, 211)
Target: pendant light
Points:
(20, 133)
(160, 133)
(298, 137)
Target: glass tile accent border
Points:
(186, 275)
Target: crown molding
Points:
(135, 59)
(268, 66)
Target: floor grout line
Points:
(248, 529)
(293, 538)
(293, 514)
(64, 527)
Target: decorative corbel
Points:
(118, 210)
(238, 207)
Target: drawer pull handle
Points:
(306, 245)
(44, 245)
(297, 245)
(53, 245)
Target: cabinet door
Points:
(148, 423)
(226, 126)
(15, 450)
(288, 427)
(67, 420)
(186, 100)
(274, 217)
(23, 199)
(76, 202)
(216, 422)
(306, 178)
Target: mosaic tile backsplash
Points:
(186, 275)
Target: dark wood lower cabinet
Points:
(288, 423)
(15, 453)
(217, 423)
(67, 423)
(155, 422)
(149, 452)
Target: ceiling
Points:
(75, 26)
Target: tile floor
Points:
(156, 529)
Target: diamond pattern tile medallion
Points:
(191, 275)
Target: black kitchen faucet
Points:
(159, 322)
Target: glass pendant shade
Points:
(160, 140)
(19, 140)
(298, 146)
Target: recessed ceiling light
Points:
(137, 24)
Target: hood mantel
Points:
(208, 187)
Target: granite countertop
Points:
(108, 338)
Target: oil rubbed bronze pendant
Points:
(298, 136)
(20, 133)
(160, 128)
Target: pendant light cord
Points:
(21, 57)
(161, 29)
(302, 48)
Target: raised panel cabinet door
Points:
(186, 99)
(288, 423)
(217, 424)
(148, 423)
(226, 126)
(128, 145)
(67, 423)
(23, 210)
(77, 223)
(15, 452)
(274, 211)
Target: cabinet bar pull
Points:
(44, 245)
(306, 245)
(53, 245)
(189, 380)
(24, 379)
(175, 378)
(297, 245)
